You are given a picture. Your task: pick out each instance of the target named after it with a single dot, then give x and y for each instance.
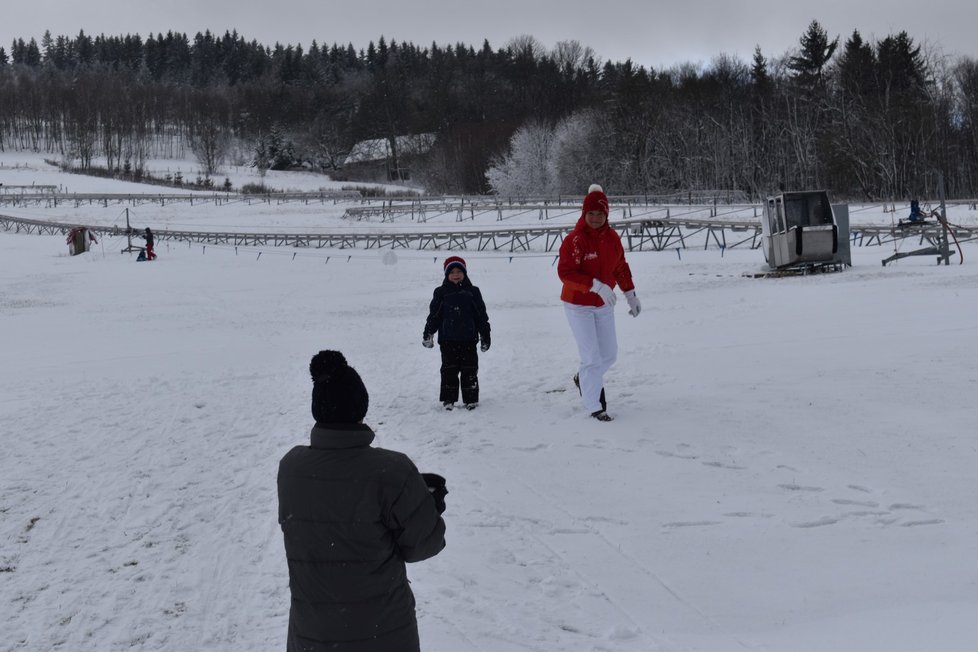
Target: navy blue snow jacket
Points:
(457, 313)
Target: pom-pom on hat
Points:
(453, 262)
(596, 200)
(338, 393)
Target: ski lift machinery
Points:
(803, 232)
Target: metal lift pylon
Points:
(940, 245)
(130, 247)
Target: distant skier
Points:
(352, 515)
(458, 314)
(592, 261)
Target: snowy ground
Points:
(251, 214)
(791, 467)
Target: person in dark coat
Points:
(352, 515)
(148, 236)
(458, 314)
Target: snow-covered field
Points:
(252, 214)
(791, 467)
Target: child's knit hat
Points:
(453, 262)
(338, 394)
(596, 200)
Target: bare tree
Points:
(526, 45)
(571, 56)
(208, 135)
(966, 103)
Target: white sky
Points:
(656, 33)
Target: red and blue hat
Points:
(453, 262)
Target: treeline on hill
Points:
(866, 120)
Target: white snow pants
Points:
(597, 344)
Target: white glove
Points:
(428, 342)
(634, 305)
(606, 293)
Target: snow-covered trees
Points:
(548, 160)
(525, 170)
(580, 153)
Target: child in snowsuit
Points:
(148, 236)
(458, 314)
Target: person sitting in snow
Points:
(916, 215)
(458, 314)
(352, 515)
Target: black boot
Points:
(577, 383)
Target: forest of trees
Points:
(866, 120)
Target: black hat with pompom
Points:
(338, 394)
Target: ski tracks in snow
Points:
(151, 493)
(543, 553)
(852, 502)
(577, 587)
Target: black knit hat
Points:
(338, 394)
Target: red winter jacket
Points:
(587, 254)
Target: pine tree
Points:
(759, 75)
(816, 51)
(857, 67)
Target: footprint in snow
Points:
(825, 520)
(678, 455)
(530, 449)
(604, 519)
(678, 524)
(800, 487)
(857, 503)
(721, 465)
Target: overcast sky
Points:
(653, 33)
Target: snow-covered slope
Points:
(791, 466)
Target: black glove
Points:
(427, 341)
(436, 487)
(485, 344)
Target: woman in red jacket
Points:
(592, 262)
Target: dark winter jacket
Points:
(587, 254)
(352, 515)
(457, 313)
